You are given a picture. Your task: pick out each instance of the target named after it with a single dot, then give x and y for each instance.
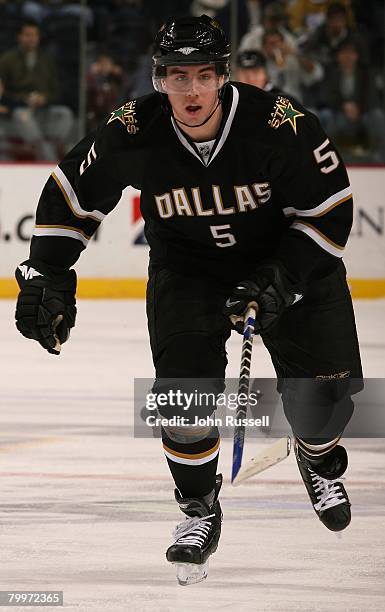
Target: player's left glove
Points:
(272, 290)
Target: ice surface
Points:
(88, 509)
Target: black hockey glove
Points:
(45, 309)
(272, 290)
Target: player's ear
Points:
(164, 85)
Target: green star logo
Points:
(291, 115)
(117, 114)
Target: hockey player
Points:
(252, 70)
(245, 200)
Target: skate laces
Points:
(328, 492)
(193, 530)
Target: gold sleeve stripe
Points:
(61, 230)
(348, 197)
(71, 198)
(67, 227)
(323, 241)
(195, 459)
(323, 208)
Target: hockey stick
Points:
(273, 454)
(243, 388)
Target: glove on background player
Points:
(272, 289)
(45, 309)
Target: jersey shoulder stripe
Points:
(71, 197)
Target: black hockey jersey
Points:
(273, 187)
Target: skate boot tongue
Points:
(332, 465)
(199, 506)
(192, 507)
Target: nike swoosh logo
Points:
(229, 303)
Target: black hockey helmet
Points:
(251, 58)
(190, 41)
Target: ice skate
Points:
(196, 538)
(322, 478)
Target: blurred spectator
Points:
(158, 13)
(353, 116)
(38, 11)
(274, 18)
(7, 104)
(307, 15)
(10, 20)
(221, 10)
(129, 33)
(373, 21)
(62, 43)
(255, 13)
(142, 80)
(323, 42)
(289, 70)
(30, 79)
(106, 83)
(252, 70)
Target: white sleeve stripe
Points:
(319, 238)
(323, 208)
(58, 231)
(71, 197)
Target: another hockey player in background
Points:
(244, 200)
(252, 70)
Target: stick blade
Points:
(267, 458)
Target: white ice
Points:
(88, 509)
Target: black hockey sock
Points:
(193, 466)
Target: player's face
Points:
(253, 76)
(192, 91)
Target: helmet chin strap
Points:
(203, 122)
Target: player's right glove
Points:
(271, 290)
(45, 309)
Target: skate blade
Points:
(191, 573)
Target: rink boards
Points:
(116, 267)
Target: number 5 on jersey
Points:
(221, 235)
(91, 156)
(330, 157)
